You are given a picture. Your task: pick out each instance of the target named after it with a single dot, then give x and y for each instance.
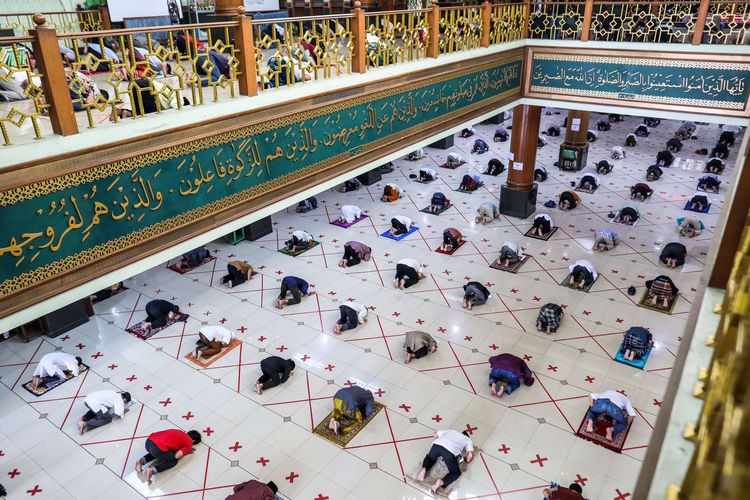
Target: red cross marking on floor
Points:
(543, 253)
(380, 392)
(242, 329)
(446, 272)
(405, 407)
(262, 461)
(539, 460)
(527, 357)
(396, 314)
(145, 284)
(621, 495)
(386, 255)
(350, 299)
(262, 338)
(467, 278)
(552, 368)
(97, 355)
(642, 276)
(581, 480)
(14, 473)
(349, 383)
(631, 237)
(236, 446)
(371, 308)
(442, 330)
(147, 387)
(80, 346)
(334, 241)
(321, 497)
(493, 347)
(230, 255)
(693, 289)
(208, 431)
(282, 348)
(657, 402)
(207, 313)
(279, 272)
(587, 313)
(619, 320)
(468, 338)
(331, 293)
(223, 320)
(188, 415)
(437, 418)
(470, 429)
(513, 290)
(112, 366)
(504, 449)
(166, 402)
(537, 299)
(590, 379)
(679, 339)
(305, 357)
(291, 477)
(615, 271)
(420, 321)
(330, 367)
(34, 490)
(621, 391)
(564, 306)
(131, 378)
(67, 337)
(190, 304)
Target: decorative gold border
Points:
(675, 59)
(72, 262)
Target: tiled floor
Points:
(526, 439)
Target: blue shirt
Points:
(293, 281)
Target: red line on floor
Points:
(182, 335)
(309, 402)
(130, 446)
(370, 445)
(135, 306)
(497, 490)
(27, 364)
(441, 292)
(382, 332)
(462, 367)
(644, 418)
(239, 367)
(83, 381)
(538, 378)
(393, 437)
(205, 473)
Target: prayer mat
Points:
(298, 252)
(346, 225)
(544, 238)
(644, 302)
(513, 268)
(680, 220)
(206, 362)
(637, 362)
(618, 220)
(466, 191)
(175, 267)
(707, 171)
(426, 211)
(598, 436)
(706, 191)
(445, 165)
(423, 182)
(343, 439)
(589, 191)
(116, 292)
(141, 332)
(454, 250)
(438, 471)
(704, 211)
(46, 387)
(400, 237)
(586, 289)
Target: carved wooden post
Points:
(486, 23)
(433, 31)
(243, 40)
(588, 11)
(359, 39)
(104, 15)
(55, 85)
(527, 18)
(700, 23)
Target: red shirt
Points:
(172, 440)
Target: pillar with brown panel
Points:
(518, 195)
(575, 148)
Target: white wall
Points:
(25, 6)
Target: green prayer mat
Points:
(645, 303)
(299, 252)
(575, 287)
(343, 439)
(513, 268)
(426, 211)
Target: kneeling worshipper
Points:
(400, 224)
(549, 318)
(698, 202)
(350, 213)
(604, 239)
(352, 315)
(352, 184)
(715, 166)
(351, 406)
(408, 273)
(300, 241)
(480, 147)
(508, 371)
(709, 182)
(673, 254)
(589, 182)
(636, 343)
(275, 371)
(297, 287)
(475, 294)
(603, 125)
(159, 313)
(629, 215)
(604, 167)
(617, 153)
(211, 341)
(254, 490)
(452, 238)
(164, 449)
(418, 345)
(354, 253)
(194, 258)
(494, 167)
(467, 132)
(690, 226)
(427, 175)
(501, 134)
(103, 407)
(391, 192)
(663, 289)
(510, 253)
(569, 200)
(454, 160)
(542, 225)
(664, 158)
(438, 203)
(654, 173)
(238, 271)
(557, 492)
(642, 130)
(306, 205)
(52, 368)
(641, 190)
(470, 183)
(487, 212)
(583, 271)
(540, 174)
(631, 141)
(615, 406)
(452, 446)
(674, 145)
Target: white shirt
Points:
(454, 442)
(454, 158)
(547, 218)
(429, 172)
(217, 333)
(732, 128)
(302, 236)
(618, 150)
(350, 213)
(104, 400)
(360, 309)
(716, 158)
(585, 263)
(618, 399)
(593, 132)
(56, 364)
(513, 246)
(404, 220)
(413, 263)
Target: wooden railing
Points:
(152, 69)
(62, 22)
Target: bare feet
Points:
(500, 392)
(81, 426)
(337, 329)
(609, 434)
(408, 358)
(421, 475)
(139, 465)
(436, 486)
(150, 475)
(589, 425)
